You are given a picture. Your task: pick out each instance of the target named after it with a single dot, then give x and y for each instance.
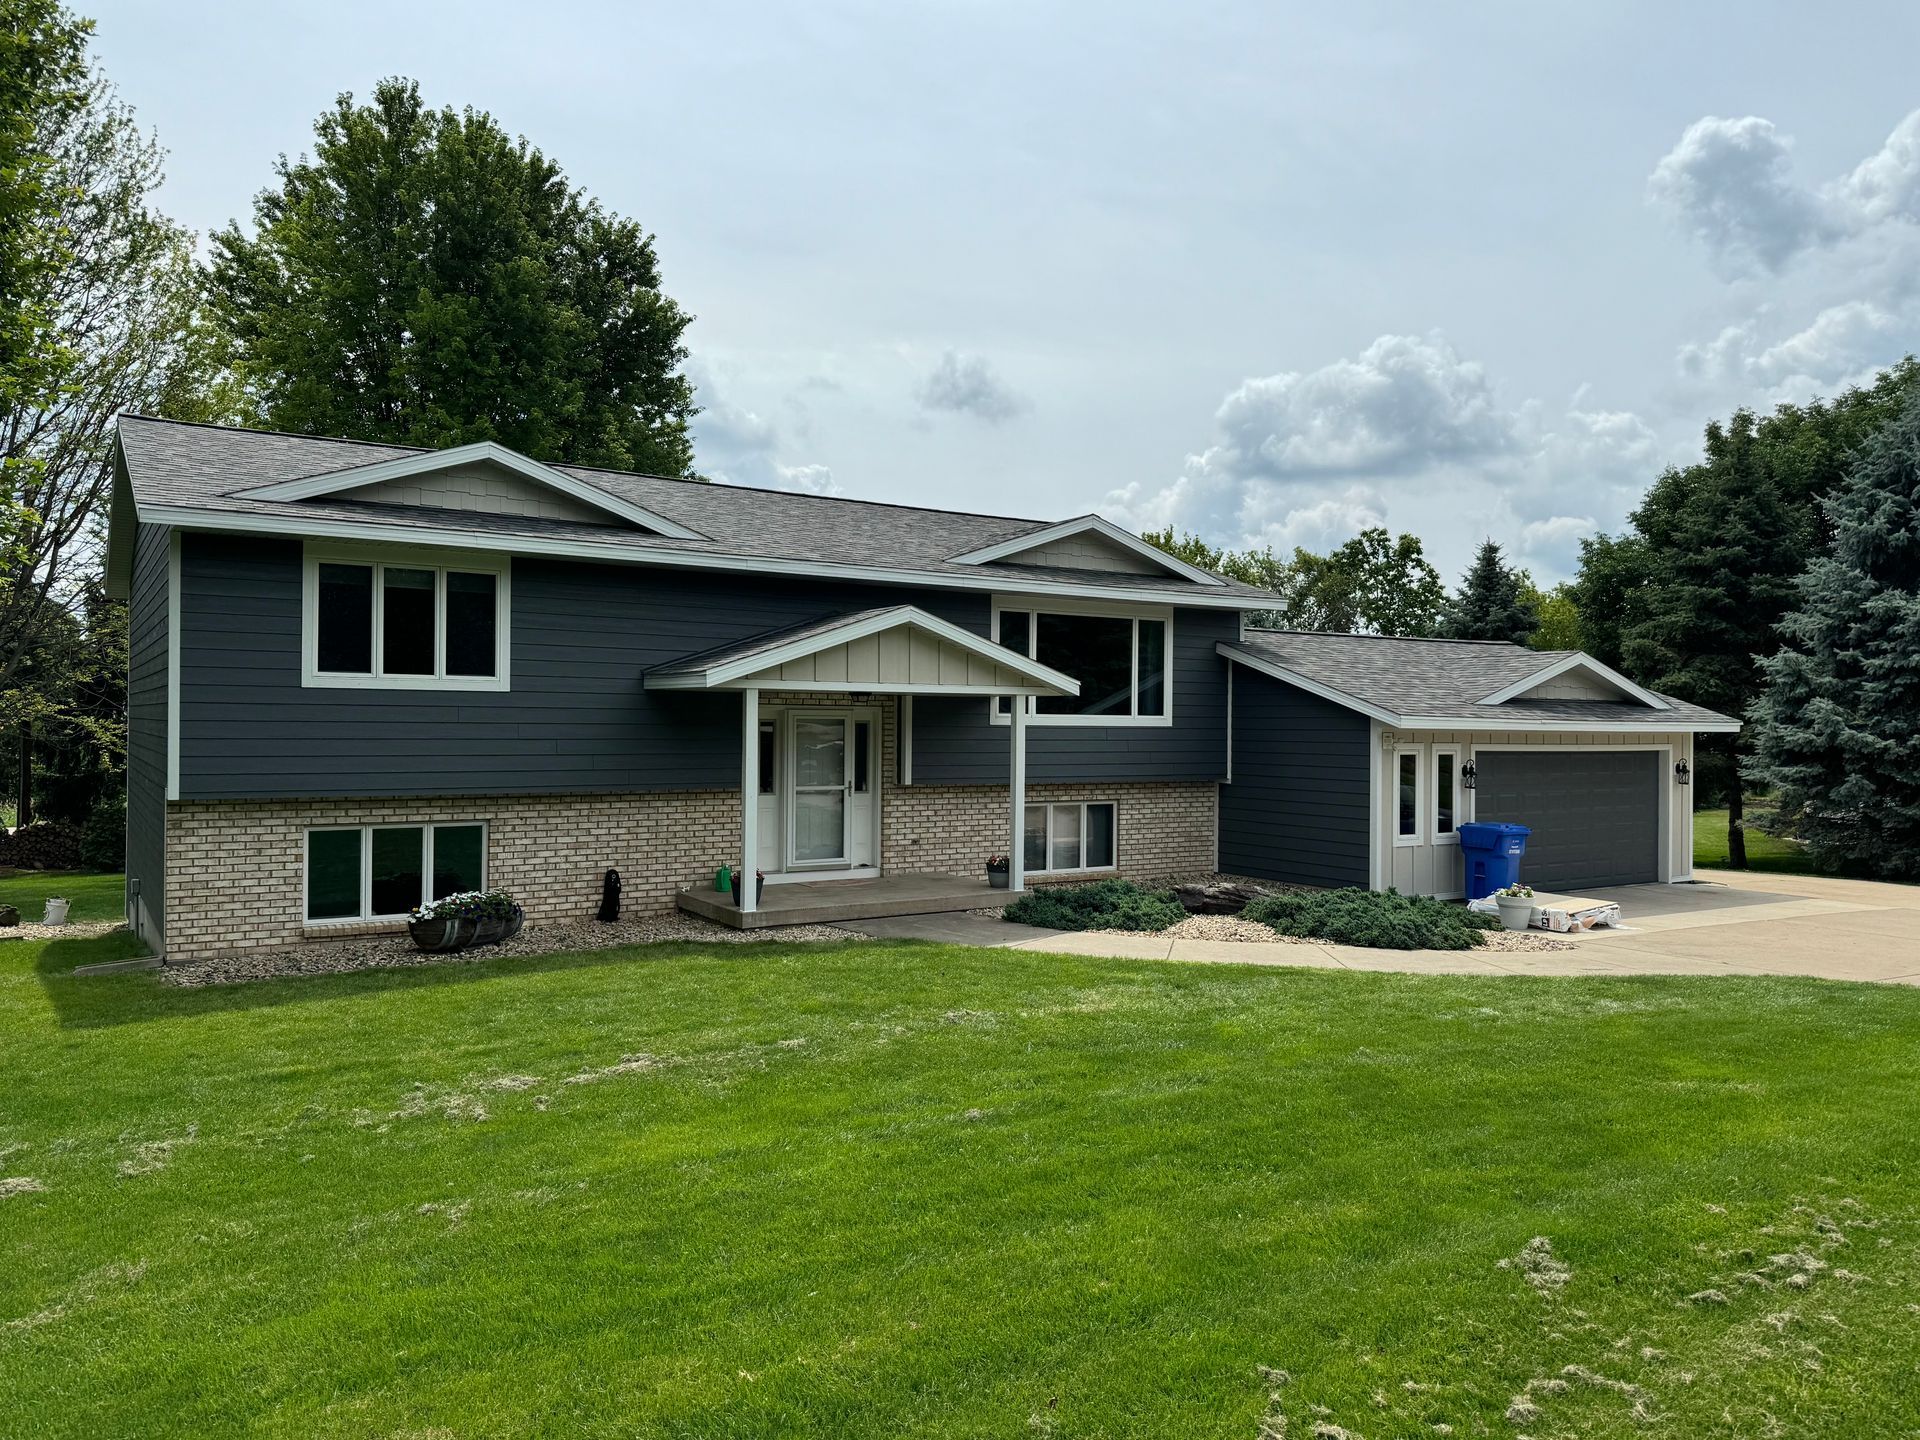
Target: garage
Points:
(1595, 813)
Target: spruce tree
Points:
(1836, 733)
(1492, 602)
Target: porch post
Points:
(1017, 797)
(745, 891)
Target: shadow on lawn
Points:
(94, 1002)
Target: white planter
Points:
(1515, 914)
(56, 912)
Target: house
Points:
(363, 675)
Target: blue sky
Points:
(1271, 276)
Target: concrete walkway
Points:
(1739, 924)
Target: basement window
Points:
(1070, 837)
(380, 872)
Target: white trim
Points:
(1434, 835)
(498, 566)
(904, 739)
(749, 896)
(1135, 613)
(1082, 806)
(1081, 525)
(1579, 659)
(1017, 800)
(365, 917)
(1402, 840)
(357, 477)
(173, 665)
(790, 717)
(1465, 722)
(198, 518)
(1664, 783)
(1044, 680)
(1376, 870)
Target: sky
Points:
(1267, 273)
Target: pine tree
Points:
(1836, 733)
(1492, 602)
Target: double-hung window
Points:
(1119, 660)
(1070, 836)
(380, 872)
(405, 622)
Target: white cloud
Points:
(967, 385)
(1731, 183)
(1407, 432)
(737, 446)
(1844, 344)
(1403, 402)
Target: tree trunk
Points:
(1736, 824)
(24, 815)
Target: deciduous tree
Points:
(426, 279)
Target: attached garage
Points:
(1595, 814)
(1451, 731)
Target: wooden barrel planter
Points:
(461, 932)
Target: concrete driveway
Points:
(1734, 924)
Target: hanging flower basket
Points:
(459, 922)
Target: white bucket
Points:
(56, 912)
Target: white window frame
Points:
(1082, 806)
(1135, 613)
(1420, 787)
(382, 558)
(429, 827)
(1433, 802)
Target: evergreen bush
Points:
(1103, 905)
(1377, 919)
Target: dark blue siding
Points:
(1296, 808)
(575, 720)
(955, 741)
(147, 731)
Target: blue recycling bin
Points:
(1492, 854)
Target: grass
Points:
(891, 1189)
(95, 896)
(1764, 851)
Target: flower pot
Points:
(998, 878)
(492, 930)
(56, 911)
(1515, 914)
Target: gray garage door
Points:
(1595, 813)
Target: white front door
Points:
(819, 790)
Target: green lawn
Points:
(94, 896)
(882, 1190)
(1764, 851)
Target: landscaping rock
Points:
(1216, 897)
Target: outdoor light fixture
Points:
(1468, 772)
(1683, 772)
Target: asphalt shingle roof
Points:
(206, 467)
(1446, 679)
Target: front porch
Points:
(829, 902)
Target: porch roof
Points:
(899, 649)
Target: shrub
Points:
(43, 845)
(103, 840)
(1103, 905)
(1380, 920)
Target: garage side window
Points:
(1406, 797)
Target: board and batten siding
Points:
(147, 660)
(1296, 807)
(577, 718)
(956, 742)
(1427, 869)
